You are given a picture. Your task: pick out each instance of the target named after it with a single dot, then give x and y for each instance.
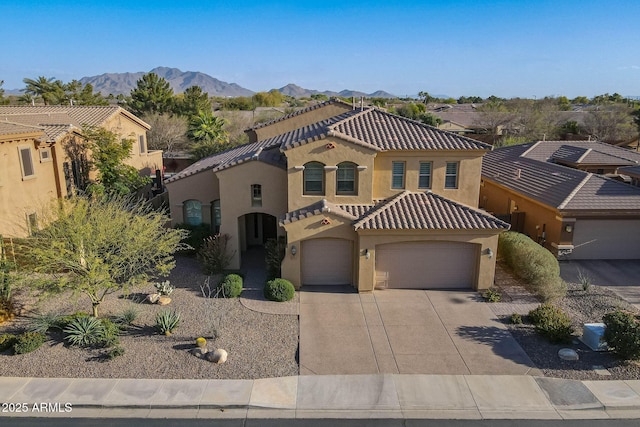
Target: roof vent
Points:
(518, 173)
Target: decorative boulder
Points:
(218, 356)
(568, 354)
(153, 298)
(164, 300)
(199, 352)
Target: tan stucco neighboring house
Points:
(362, 197)
(48, 132)
(555, 192)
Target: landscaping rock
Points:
(153, 298)
(164, 300)
(199, 352)
(218, 356)
(568, 354)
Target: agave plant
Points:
(84, 331)
(167, 321)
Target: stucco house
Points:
(563, 194)
(362, 197)
(36, 164)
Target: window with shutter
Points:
(424, 177)
(397, 179)
(451, 175)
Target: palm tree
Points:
(50, 90)
(206, 131)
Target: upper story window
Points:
(142, 143)
(424, 177)
(256, 195)
(397, 175)
(26, 162)
(346, 178)
(193, 212)
(313, 177)
(451, 175)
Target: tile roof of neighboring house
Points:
(630, 170)
(469, 120)
(11, 128)
(544, 150)
(297, 113)
(405, 211)
(369, 127)
(65, 115)
(572, 154)
(555, 185)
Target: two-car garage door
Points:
(426, 265)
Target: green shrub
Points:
(44, 322)
(231, 286)
(197, 235)
(28, 342)
(279, 290)
(167, 321)
(84, 331)
(109, 334)
(492, 295)
(164, 288)
(533, 263)
(127, 317)
(274, 254)
(115, 352)
(7, 309)
(64, 321)
(622, 333)
(551, 322)
(7, 341)
(516, 319)
(214, 255)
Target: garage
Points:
(606, 239)
(426, 265)
(327, 262)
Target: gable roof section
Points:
(555, 185)
(299, 112)
(318, 208)
(572, 155)
(544, 150)
(630, 170)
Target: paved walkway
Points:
(334, 396)
(403, 331)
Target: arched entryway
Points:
(254, 230)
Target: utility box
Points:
(593, 336)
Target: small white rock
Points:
(568, 354)
(218, 356)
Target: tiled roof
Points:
(9, 128)
(555, 185)
(544, 150)
(427, 211)
(572, 154)
(630, 170)
(390, 132)
(405, 211)
(297, 113)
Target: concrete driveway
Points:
(621, 276)
(404, 331)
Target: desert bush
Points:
(7, 341)
(167, 321)
(164, 288)
(44, 322)
(27, 342)
(551, 322)
(197, 235)
(492, 295)
(64, 320)
(109, 333)
(126, 317)
(622, 333)
(516, 319)
(279, 290)
(7, 309)
(214, 254)
(533, 263)
(115, 352)
(84, 331)
(231, 286)
(274, 254)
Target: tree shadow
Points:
(500, 340)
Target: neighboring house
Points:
(554, 191)
(43, 137)
(362, 197)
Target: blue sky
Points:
(504, 48)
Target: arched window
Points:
(313, 177)
(193, 212)
(346, 178)
(256, 195)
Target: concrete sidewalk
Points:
(332, 396)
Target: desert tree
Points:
(207, 132)
(152, 94)
(193, 101)
(168, 133)
(99, 246)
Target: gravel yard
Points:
(259, 345)
(583, 307)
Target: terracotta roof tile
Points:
(317, 208)
(297, 113)
(579, 155)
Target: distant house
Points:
(556, 192)
(36, 159)
(361, 197)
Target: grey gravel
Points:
(259, 345)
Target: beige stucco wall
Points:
(20, 196)
(235, 199)
(146, 162)
(368, 239)
(468, 173)
(202, 186)
(312, 228)
(317, 151)
(499, 200)
(298, 121)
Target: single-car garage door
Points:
(426, 265)
(327, 262)
(606, 239)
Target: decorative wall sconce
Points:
(568, 228)
(489, 252)
(294, 250)
(367, 255)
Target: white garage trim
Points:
(606, 239)
(327, 262)
(426, 265)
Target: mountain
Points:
(123, 83)
(299, 92)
